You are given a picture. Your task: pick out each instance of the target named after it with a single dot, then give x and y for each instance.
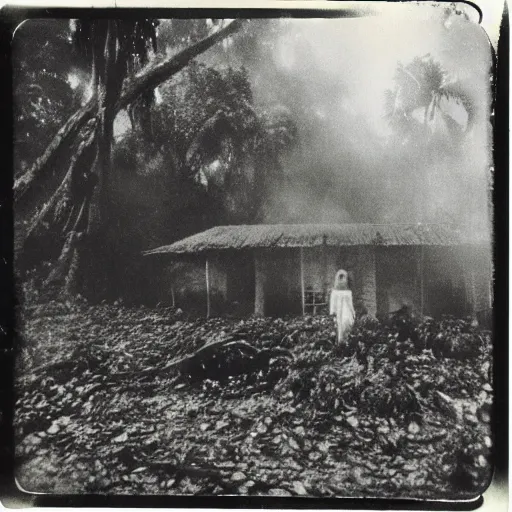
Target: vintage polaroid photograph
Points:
(253, 254)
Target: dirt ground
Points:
(91, 418)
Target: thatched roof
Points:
(312, 235)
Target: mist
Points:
(348, 165)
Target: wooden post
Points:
(489, 285)
(468, 303)
(259, 285)
(473, 292)
(325, 278)
(365, 287)
(422, 284)
(302, 281)
(173, 298)
(208, 305)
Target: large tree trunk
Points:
(79, 217)
(64, 277)
(46, 173)
(65, 210)
(99, 247)
(108, 92)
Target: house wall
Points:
(383, 279)
(322, 263)
(484, 291)
(319, 265)
(218, 276)
(282, 286)
(433, 281)
(277, 281)
(482, 276)
(447, 287)
(186, 281)
(240, 283)
(260, 279)
(398, 279)
(366, 268)
(477, 270)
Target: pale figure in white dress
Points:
(342, 306)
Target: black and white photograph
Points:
(254, 254)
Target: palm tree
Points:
(426, 105)
(422, 97)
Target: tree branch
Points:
(148, 78)
(23, 186)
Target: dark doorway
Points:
(398, 279)
(445, 286)
(282, 287)
(240, 283)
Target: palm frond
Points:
(453, 126)
(390, 103)
(454, 91)
(423, 83)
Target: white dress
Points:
(342, 306)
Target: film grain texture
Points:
(253, 256)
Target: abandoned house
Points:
(286, 269)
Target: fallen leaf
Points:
(300, 431)
(293, 444)
(314, 456)
(279, 492)
(238, 477)
(353, 421)
(54, 429)
(413, 428)
(298, 488)
(261, 429)
(121, 438)
(323, 447)
(221, 424)
(33, 439)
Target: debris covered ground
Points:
(123, 401)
